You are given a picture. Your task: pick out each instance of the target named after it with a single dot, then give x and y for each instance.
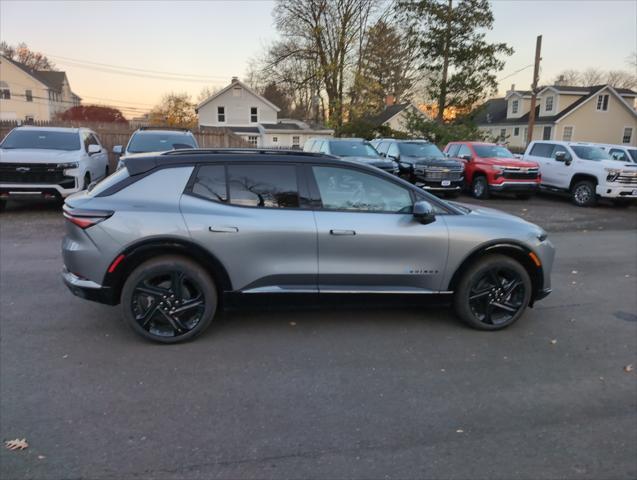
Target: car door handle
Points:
(342, 232)
(223, 229)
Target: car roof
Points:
(51, 129)
(194, 156)
(162, 132)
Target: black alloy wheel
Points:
(169, 299)
(493, 293)
(480, 187)
(583, 194)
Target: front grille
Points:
(45, 173)
(437, 174)
(520, 173)
(628, 179)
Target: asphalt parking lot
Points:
(331, 393)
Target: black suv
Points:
(423, 164)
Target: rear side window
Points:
(269, 186)
(211, 183)
(542, 150)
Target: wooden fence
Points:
(112, 134)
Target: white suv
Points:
(620, 153)
(48, 162)
(584, 170)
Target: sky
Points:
(210, 41)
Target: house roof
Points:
(388, 113)
(235, 81)
(244, 129)
(54, 80)
(282, 126)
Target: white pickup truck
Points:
(583, 170)
(48, 162)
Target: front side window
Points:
(515, 104)
(221, 114)
(211, 183)
(567, 134)
(452, 151)
(420, 149)
(628, 135)
(542, 150)
(491, 151)
(558, 149)
(590, 153)
(393, 151)
(602, 103)
(254, 117)
(549, 104)
(41, 139)
(464, 151)
(347, 189)
(269, 186)
(28, 94)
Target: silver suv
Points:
(175, 236)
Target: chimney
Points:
(235, 79)
(390, 100)
(513, 87)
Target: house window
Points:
(567, 134)
(275, 139)
(514, 106)
(516, 132)
(549, 104)
(296, 141)
(602, 103)
(546, 133)
(221, 114)
(252, 140)
(28, 95)
(28, 119)
(628, 134)
(253, 115)
(5, 93)
(525, 133)
(503, 133)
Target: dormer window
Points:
(515, 104)
(549, 104)
(602, 103)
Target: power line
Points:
(513, 73)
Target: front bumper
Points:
(35, 191)
(440, 185)
(512, 186)
(87, 289)
(625, 191)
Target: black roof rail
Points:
(177, 129)
(260, 151)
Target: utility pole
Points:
(536, 75)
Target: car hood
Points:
(434, 162)
(493, 213)
(374, 161)
(614, 164)
(37, 155)
(513, 162)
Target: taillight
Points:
(85, 218)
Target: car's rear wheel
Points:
(583, 194)
(169, 299)
(493, 293)
(480, 187)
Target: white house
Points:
(253, 117)
(395, 115)
(33, 95)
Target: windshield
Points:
(590, 153)
(419, 149)
(153, 142)
(42, 139)
(487, 151)
(633, 154)
(352, 148)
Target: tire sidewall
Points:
(461, 296)
(205, 283)
(484, 191)
(592, 195)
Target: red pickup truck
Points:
(492, 168)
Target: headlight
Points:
(68, 165)
(497, 169)
(613, 174)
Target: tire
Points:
(482, 303)
(583, 194)
(154, 291)
(522, 196)
(480, 187)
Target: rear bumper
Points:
(513, 186)
(87, 289)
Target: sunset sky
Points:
(209, 42)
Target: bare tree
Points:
(592, 76)
(621, 79)
(206, 92)
(23, 54)
(568, 77)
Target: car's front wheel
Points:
(169, 299)
(583, 194)
(480, 187)
(493, 293)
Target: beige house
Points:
(254, 118)
(33, 95)
(599, 114)
(395, 115)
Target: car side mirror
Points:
(465, 157)
(563, 157)
(424, 212)
(395, 158)
(117, 149)
(94, 149)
